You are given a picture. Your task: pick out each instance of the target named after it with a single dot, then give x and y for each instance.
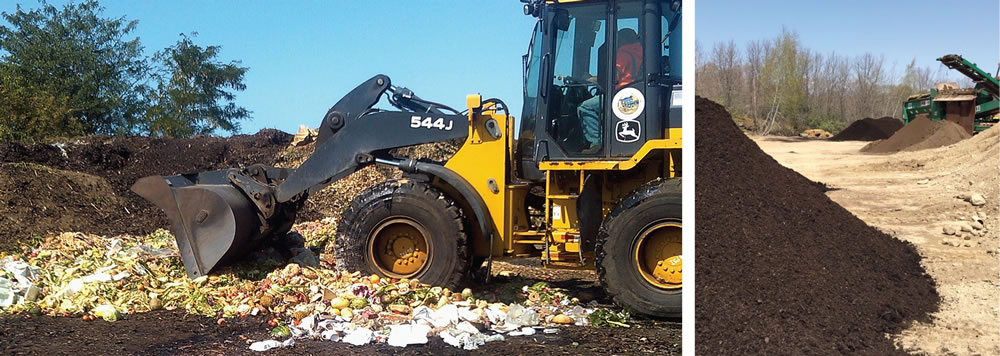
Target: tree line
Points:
(70, 71)
(779, 86)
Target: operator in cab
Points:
(627, 62)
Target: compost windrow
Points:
(869, 129)
(782, 269)
(116, 162)
(919, 134)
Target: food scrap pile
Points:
(90, 276)
(318, 236)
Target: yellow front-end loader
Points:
(589, 177)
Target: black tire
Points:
(416, 202)
(653, 203)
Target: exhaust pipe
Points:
(213, 221)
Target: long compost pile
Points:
(919, 134)
(83, 184)
(782, 269)
(869, 129)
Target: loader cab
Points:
(600, 79)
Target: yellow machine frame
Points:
(477, 162)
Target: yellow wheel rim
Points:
(398, 247)
(657, 255)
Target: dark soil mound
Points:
(869, 129)
(919, 134)
(122, 160)
(36, 199)
(782, 269)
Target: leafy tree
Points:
(785, 69)
(28, 113)
(195, 92)
(784, 87)
(727, 59)
(69, 71)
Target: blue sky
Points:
(900, 30)
(305, 55)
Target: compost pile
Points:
(869, 129)
(36, 199)
(782, 269)
(919, 134)
(82, 185)
(110, 165)
(333, 199)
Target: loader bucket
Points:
(214, 224)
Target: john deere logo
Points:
(627, 131)
(628, 104)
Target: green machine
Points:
(975, 109)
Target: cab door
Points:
(642, 105)
(603, 89)
(574, 37)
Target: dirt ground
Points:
(913, 197)
(174, 332)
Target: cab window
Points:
(628, 55)
(575, 108)
(532, 67)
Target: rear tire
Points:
(403, 229)
(654, 209)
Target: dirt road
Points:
(913, 197)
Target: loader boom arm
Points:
(352, 135)
(218, 216)
(360, 142)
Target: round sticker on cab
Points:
(628, 104)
